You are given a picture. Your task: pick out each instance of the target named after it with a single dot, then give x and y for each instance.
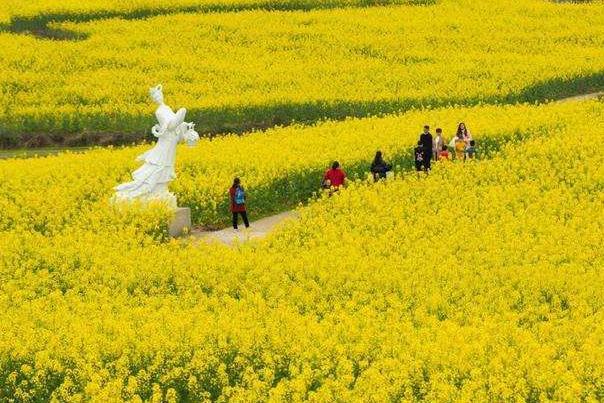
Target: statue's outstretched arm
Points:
(188, 134)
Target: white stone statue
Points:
(151, 180)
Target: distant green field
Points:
(38, 152)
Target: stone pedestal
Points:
(181, 223)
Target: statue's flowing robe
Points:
(158, 167)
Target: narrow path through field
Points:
(261, 228)
(258, 229)
(583, 97)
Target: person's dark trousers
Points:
(427, 161)
(243, 216)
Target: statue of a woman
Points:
(150, 181)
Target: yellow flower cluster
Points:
(36, 8)
(260, 68)
(480, 282)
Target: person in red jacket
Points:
(334, 177)
(237, 198)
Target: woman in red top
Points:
(334, 177)
(237, 198)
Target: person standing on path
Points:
(459, 145)
(470, 152)
(427, 143)
(443, 154)
(334, 178)
(419, 157)
(379, 167)
(439, 141)
(237, 198)
(463, 133)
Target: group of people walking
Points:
(429, 148)
(462, 147)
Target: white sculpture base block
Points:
(181, 223)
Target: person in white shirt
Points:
(439, 141)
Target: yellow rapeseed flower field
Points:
(35, 8)
(260, 67)
(479, 282)
(281, 167)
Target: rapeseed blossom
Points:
(481, 281)
(280, 167)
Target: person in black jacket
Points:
(427, 144)
(379, 167)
